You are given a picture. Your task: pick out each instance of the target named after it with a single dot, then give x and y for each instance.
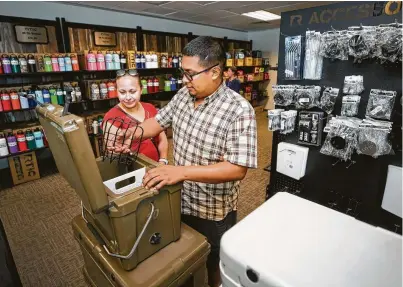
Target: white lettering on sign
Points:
(31, 34)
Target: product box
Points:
(24, 167)
(229, 62)
(265, 62)
(131, 59)
(256, 70)
(239, 62)
(257, 62)
(248, 61)
(266, 76)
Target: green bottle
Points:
(144, 86)
(53, 95)
(60, 96)
(29, 135)
(47, 61)
(167, 85)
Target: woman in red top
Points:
(130, 109)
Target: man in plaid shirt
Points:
(214, 137)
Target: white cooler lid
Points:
(293, 242)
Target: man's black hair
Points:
(207, 49)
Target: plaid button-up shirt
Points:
(224, 125)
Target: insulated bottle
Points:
(144, 86)
(123, 61)
(173, 84)
(23, 64)
(47, 63)
(156, 84)
(38, 138)
(29, 136)
(60, 96)
(31, 63)
(95, 127)
(169, 62)
(167, 86)
(3, 146)
(116, 61)
(15, 65)
(62, 63)
(78, 94)
(143, 61)
(154, 60)
(150, 86)
(39, 95)
(23, 99)
(175, 61)
(21, 140)
(108, 61)
(148, 61)
(55, 64)
(95, 92)
(91, 61)
(53, 95)
(46, 96)
(5, 61)
(31, 99)
(74, 62)
(100, 61)
(103, 89)
(112, 92)
(12, 143)
(6, 101)
(138, 61)
(164, 61)
(67, 62)
(15, 100)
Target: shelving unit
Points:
(23, 152)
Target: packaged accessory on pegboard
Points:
(313, 60)
(389, 43)
(328, 99)
(284, 94)
(307, 97)
(380, 104)
(274, 119)
(293, 50)
(288, 121)
(310, 128)
(373, 138)
(350, 106)
(353, 85)
(334, 45)
(361, 43)
(342, 139)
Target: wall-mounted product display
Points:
(350, 106)
(353, 85)
(14, 142)
(310, 128)
(380, 104)
(313, 60)
(274, 119)
(32, 63)
(389, 42)
(288, 119)
(291, 160)
(328, 99)
(307, 97)
(293, 61)
(361, 43)
(341, 140)
(373, 138)
(284, 94)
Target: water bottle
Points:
(23, 99)
(3, 146)
(53, 95)
(108, 61)
(12, 143)
(62, 64)
(67, 61)
(116, 61)
(30, 140)
(21, 140)
(46, 96)
(38, 138)
(60, 96)
(39, 96)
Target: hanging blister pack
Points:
(310, 128)
(288, 121)
(373, 138)
(350, 106)
(353, 85)
(389, 42)
(293, 49)
(342, 139)
(328, 99)
(334, 45)
(361, 43)
(284, 94)
(307, 97)
(380, 104)
(313, 60)
(274, 119)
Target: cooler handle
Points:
(138, 238)
(228, 277)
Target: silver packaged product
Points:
(274, 116)
(334, 45)
(350, 106)
(328, 99)
(284, 94)
(307, 97)
(362, 42)
(288, 121)
(342, 139)
(380, 104)
(293, 61)
(353, 85)
(313, 60)
(389, 42)
(373, 138)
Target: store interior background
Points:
(37, 215)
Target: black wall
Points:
(365, 180)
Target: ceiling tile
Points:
(179, 5)
(159, 10)
(183, 15)
(203, 2)
(221, 14)
(201, 18)
(102, 4)
(135, 6)
(223, 5)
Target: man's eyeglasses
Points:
(191, 76)
(130, 72)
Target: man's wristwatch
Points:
(164, 160)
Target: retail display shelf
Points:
(20, 110)
(19, 125)
(14, 75)
(22, 152)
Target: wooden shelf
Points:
(22, 152)
(21, 110)
(14, 75)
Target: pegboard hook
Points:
(336, 162)
(351, 163)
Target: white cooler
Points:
(292, 242)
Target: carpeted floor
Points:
(37, 216)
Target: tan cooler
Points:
(133, 222)
(182, 263)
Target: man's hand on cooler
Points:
(163, 175)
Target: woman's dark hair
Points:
(209, 51)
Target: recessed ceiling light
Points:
(262, 15)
